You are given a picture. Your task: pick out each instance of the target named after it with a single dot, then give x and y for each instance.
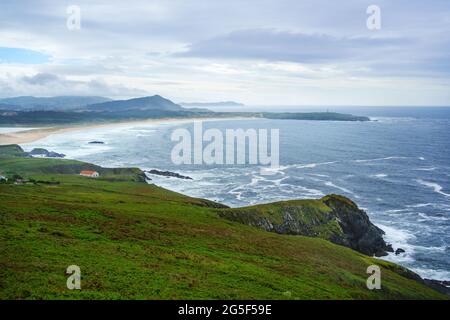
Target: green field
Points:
(138, 241)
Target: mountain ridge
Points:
(155, 102)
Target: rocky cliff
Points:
(333, 217)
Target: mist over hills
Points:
(49, 103)
(212, 104)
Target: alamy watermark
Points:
(74, 280)
(237, 146)
(73, 21)
(374, 20)
(374, 280)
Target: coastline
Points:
(35, 134)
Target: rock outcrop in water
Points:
(168, 174)
(438, 285)
(41, 152)
(334, 218)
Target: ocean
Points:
(396, 167)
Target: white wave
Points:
(433, 249)
(273, 170)
(237, 193)
(331, 184)
(379, 175)
(281, 169)
(311, 192)
(426, 169)
(420, 205)
(436, 187)
(398, 239)
(401, 239)
(313, 165)
(396, 210)
(254, 181)
(14, 129)
(319, 175)
(309, 165)
(427, 217)
(278, 182)
(436, 274)
(379, 159)
(140, 135)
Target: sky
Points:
(258, 52)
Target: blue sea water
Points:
(397, 168)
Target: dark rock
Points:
(45, 153)
(438, 285)
(169, 174)
(398, 251)
(360, 233)
(96, 142)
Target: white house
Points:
(90, 174)
(3, 178)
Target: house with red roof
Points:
(89, 173)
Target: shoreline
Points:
(35, 134)
(27, 135)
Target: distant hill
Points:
(49, 103)
(152, 107)
(212, 104)
(322, 116)
(155, 102)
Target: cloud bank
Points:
(256, 52)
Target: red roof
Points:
(88, 172)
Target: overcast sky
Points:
(278, 52)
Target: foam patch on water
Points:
(436, 274)
(379, 159)
(426, 169)
(379, 175)
(427, 217)
(14, 129)
(436, 187)
(398, 239)
(331, 184)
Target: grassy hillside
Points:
(138, 241)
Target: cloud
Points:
(254, 51)
(48, 84)
(41, 79)
(361, 55)
(274, 45)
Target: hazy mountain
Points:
(212, 104)
(155, 102)
(50, 103)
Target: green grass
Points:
(138, 241)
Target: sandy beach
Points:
(34, 134)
